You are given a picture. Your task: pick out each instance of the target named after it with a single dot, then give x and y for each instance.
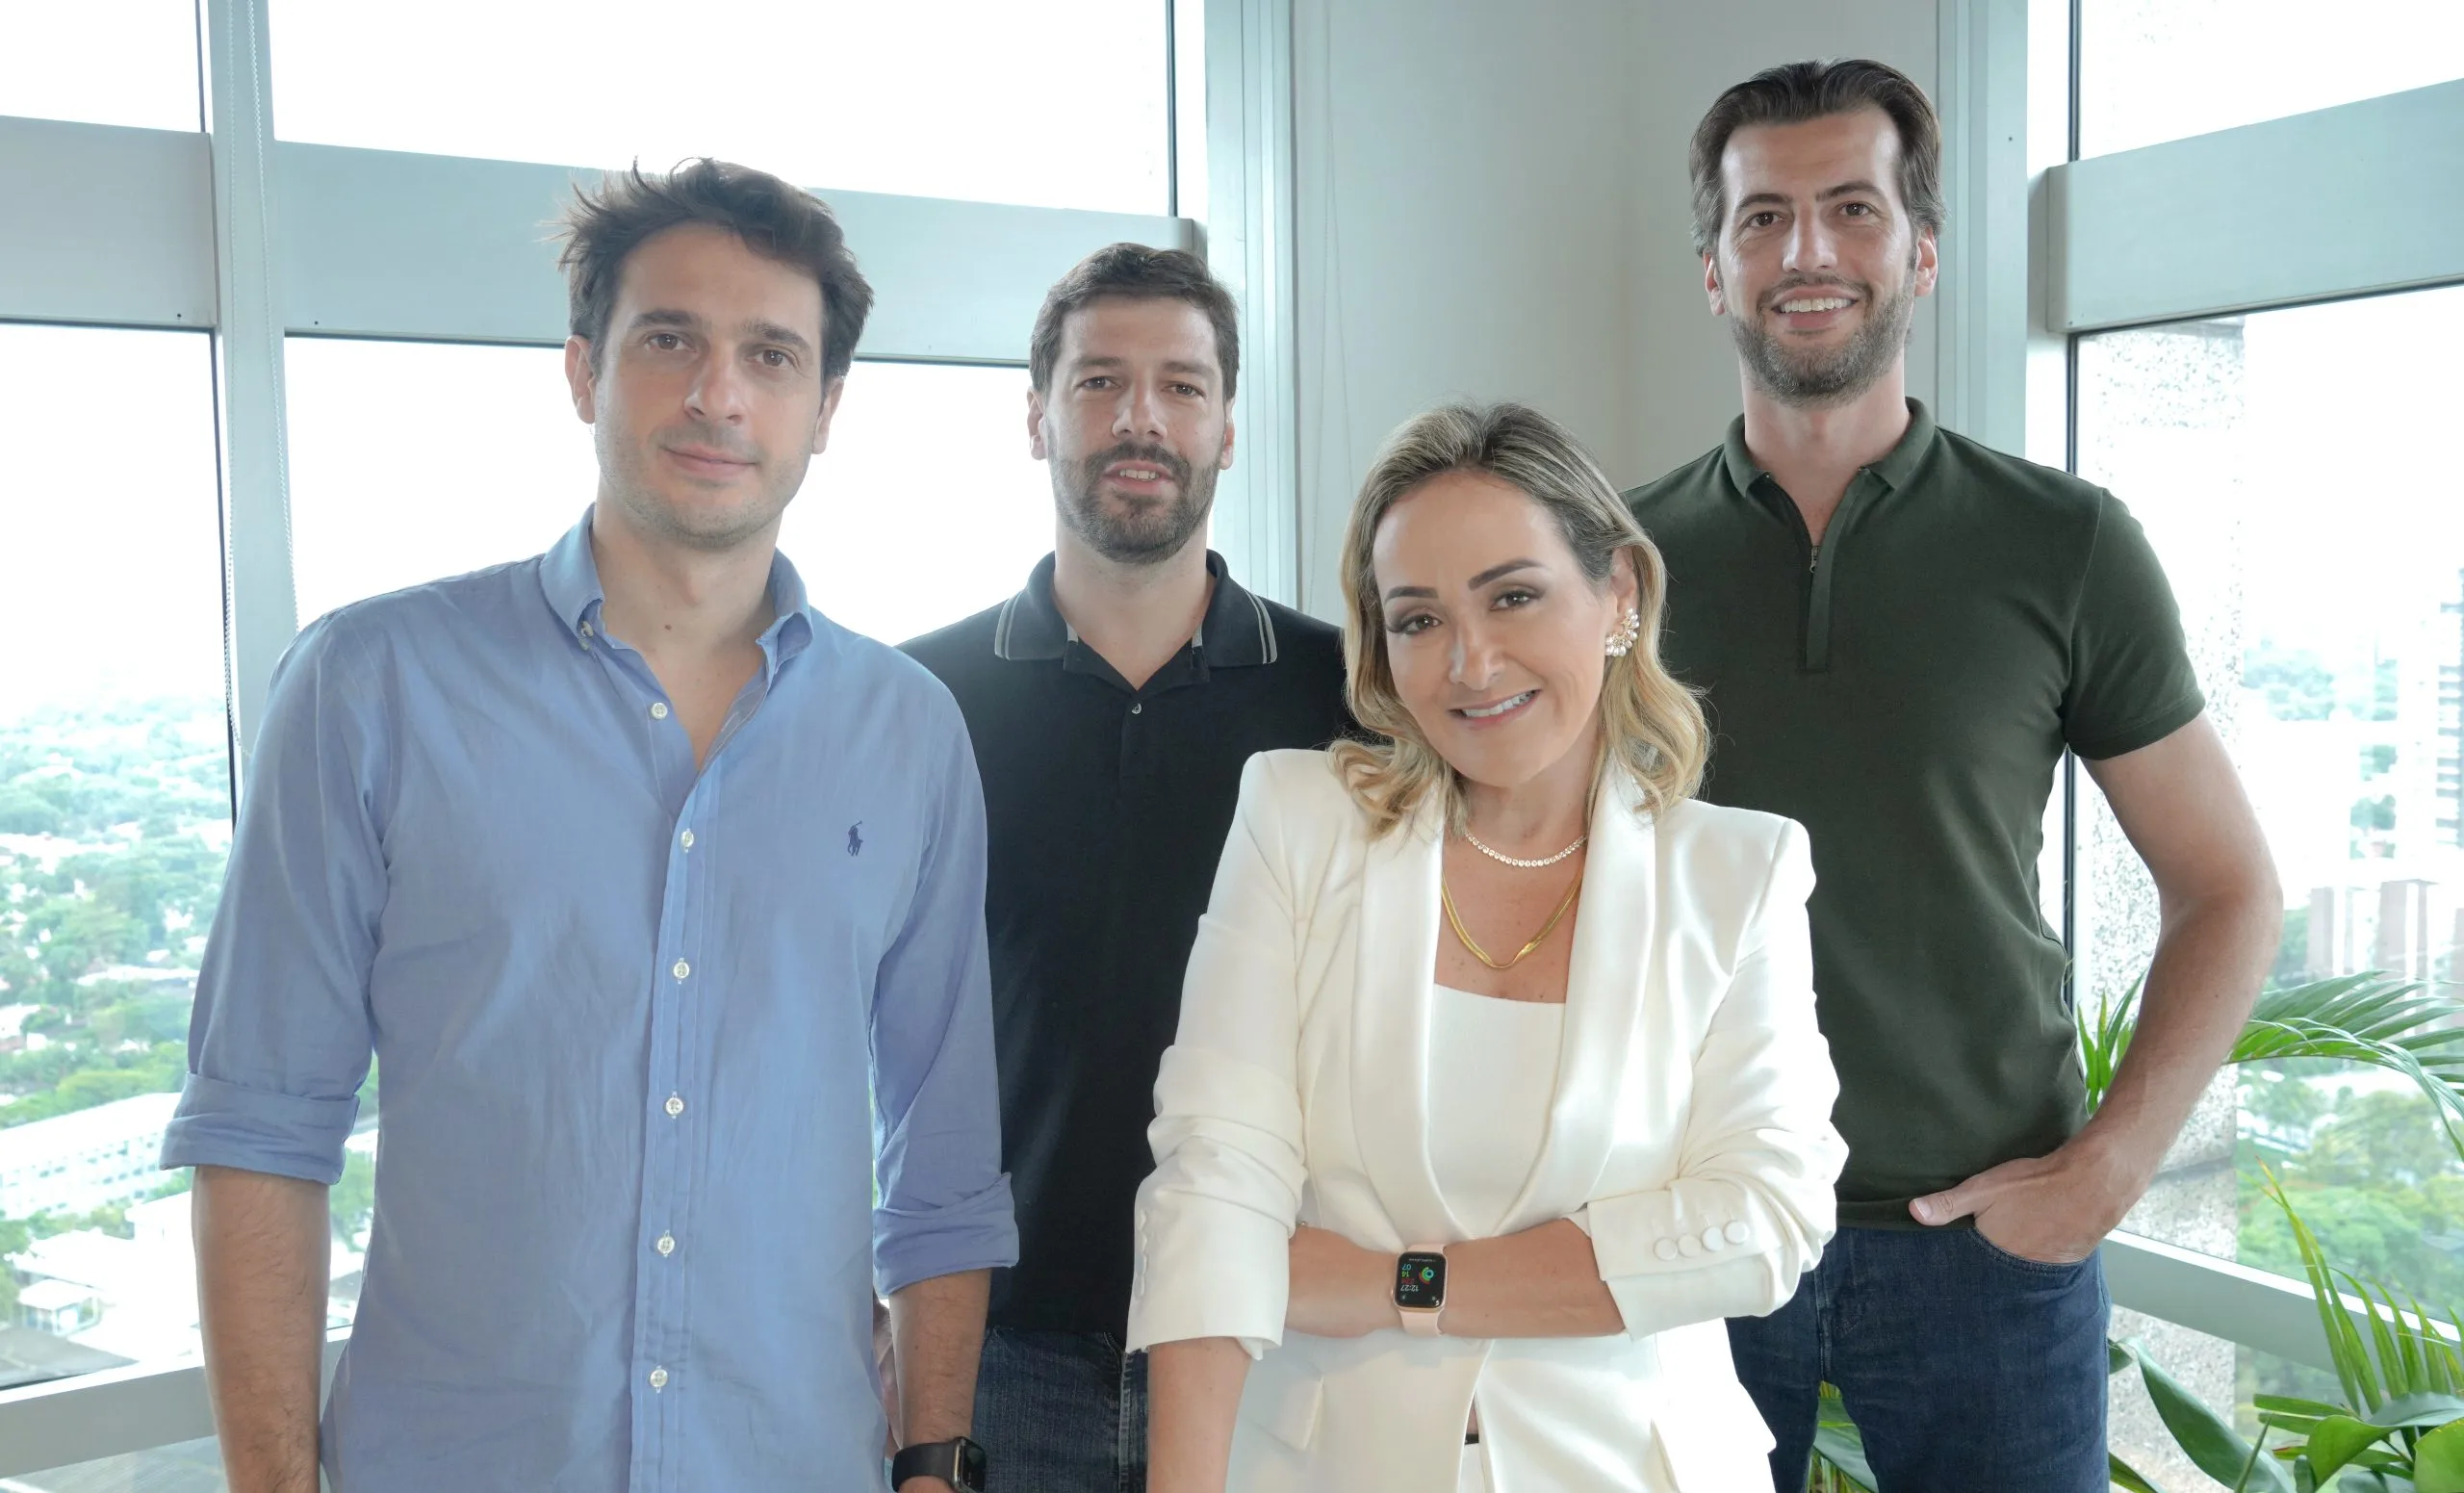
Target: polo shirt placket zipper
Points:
(1816, 656)
(1815, 644)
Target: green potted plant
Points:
(2398, 1427)
(2398, 1025)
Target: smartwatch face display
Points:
(1420, 1282)
(971, 1467)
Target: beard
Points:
(626, 477)
(1133, 530)
(1835, 376)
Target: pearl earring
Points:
(1628, 632)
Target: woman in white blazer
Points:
(1584, 1154)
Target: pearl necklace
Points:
(1518, 860)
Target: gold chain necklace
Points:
(1482, 955)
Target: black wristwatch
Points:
(958, 1462)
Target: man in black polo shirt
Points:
(1113, 703)
(1899, 631)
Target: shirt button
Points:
(658, 710)
(685, 839)
(585, 630)
(1138, 707)
(666, 1243)
(675, 1105)
(681, 969)
(658, 1379)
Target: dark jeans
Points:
(1062, 1412)
(1966, 1368)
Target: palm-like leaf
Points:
(2104, 1040)
(2208, 1439)
(2399, 1380)
(2397, 1024)
(1838, 1449)
(2402, 1025)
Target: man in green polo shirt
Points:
(1898, 633)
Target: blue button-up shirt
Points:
(677, 1067)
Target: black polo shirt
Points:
(1905, 692)
(1107, 809)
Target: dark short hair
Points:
(1134, 272)
(774, 219)
(1794, 92)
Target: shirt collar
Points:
(1237, 630)
(1896, 468)
(569, 579)
(569, 576)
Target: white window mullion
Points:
(2197, 227)
(1247, 208)
(256, 501)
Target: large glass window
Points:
(104, 62)
(115, 822)
(2278, 462)
(2155, 70)
(410, 461)
(1047, 105)
(415, 460)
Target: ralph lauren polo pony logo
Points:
(856, 838)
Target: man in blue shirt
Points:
(661, 897)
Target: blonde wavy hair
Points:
(1651, 725)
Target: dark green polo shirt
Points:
(1906, 693)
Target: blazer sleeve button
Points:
(1666, 1249)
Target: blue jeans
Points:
(1965, 1368)
(1061, 1412)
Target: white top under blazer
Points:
(1492, 1073)
(1689, 1134)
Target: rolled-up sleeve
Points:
(1752, 1204)
(1214, 1219)
(944, 1202)
(279, 1039)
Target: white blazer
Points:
(1690, 1135)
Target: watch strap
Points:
(947, 1461)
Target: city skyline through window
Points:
(2320, 569)
(115, 823)
(2314, 563)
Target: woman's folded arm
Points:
(1752, 1204)
(1214, 1219)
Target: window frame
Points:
(254, 239)
(2043, 248)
